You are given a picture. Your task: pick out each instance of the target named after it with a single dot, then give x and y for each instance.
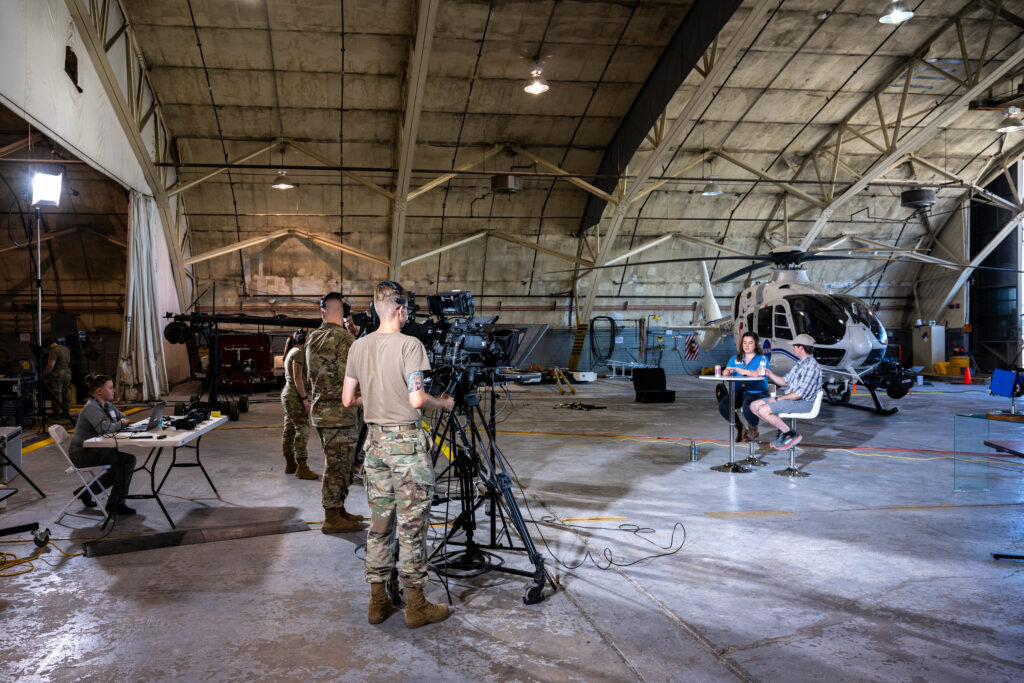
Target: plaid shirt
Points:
(804, 379)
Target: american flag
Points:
(691, 347)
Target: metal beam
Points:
(789, 189)
(316, 156)
(714, 245)
(292, 232)
(446, 247)
(415, 82)
(44, 238)
(1008, 228)
(558, 170)
(95, 45)
(638, 250)
(182, 186)
(442, 179)
(543, 250)
(26, 141)
(911, 142)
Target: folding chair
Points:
(792, 470)
(89, 476)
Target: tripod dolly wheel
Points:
(534, 594)
(41, 538)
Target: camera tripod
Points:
(468, 440)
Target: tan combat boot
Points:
(381, 606)
(289, 464)
(334, 523)
(348, 515)
(419, 612)
(302, 471)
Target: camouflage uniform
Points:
(399, 482)
(59, 379)
(296, 422)
(338, 428)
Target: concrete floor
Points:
(871, 569)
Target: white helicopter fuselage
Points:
(849, 339)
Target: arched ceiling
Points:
(808, 109)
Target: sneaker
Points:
(122, 509)
(789, 439)
(779, 441)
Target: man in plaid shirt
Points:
(802, 384)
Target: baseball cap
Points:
(804, 340)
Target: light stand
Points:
(46, 188)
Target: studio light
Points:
(282, 182)
(46, 188)
(1011, 122)
(711, 189)
(897, 13)
(537, 84)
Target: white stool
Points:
(792, 470)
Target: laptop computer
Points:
(153, 422)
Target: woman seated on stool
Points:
(747, 362)
(99, 417)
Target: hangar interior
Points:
(632, 183)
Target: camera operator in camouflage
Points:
(57, 376)
(385, 376)
(296, 403)
(337, 426)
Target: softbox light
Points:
(46, 188)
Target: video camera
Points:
(450, 333)
(191, 419)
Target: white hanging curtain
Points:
(142, 372)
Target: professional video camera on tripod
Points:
(466, 356)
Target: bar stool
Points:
(792, 470)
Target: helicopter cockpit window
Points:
(862, 313)
(764, 322)
(820, 316)
(782, 329)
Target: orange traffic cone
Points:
(967, 374)
(853, 391)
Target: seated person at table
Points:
(747, 362)
(99, 417)
(802, 384)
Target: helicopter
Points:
(850, 340)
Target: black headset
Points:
(400, 300)
(331, 295)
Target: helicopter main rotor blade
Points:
(743, 271)
(691, 259)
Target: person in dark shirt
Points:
(99, 417)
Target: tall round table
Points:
(730, 381)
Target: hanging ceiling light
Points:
(897, 13)
(711, 189)
(282, 182)
(537, 84)
(1011, 122)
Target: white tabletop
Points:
(146, 440)
(729, 378)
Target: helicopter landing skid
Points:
(877, 410)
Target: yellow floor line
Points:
(606, 518)
(749, 513)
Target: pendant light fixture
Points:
(282, 182)
(711, 189)
(1011, 122)
(537, 84)
(897, 13)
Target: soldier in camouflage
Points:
(296, 408)
(337, 426)
(384, 375)
(57, 376)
